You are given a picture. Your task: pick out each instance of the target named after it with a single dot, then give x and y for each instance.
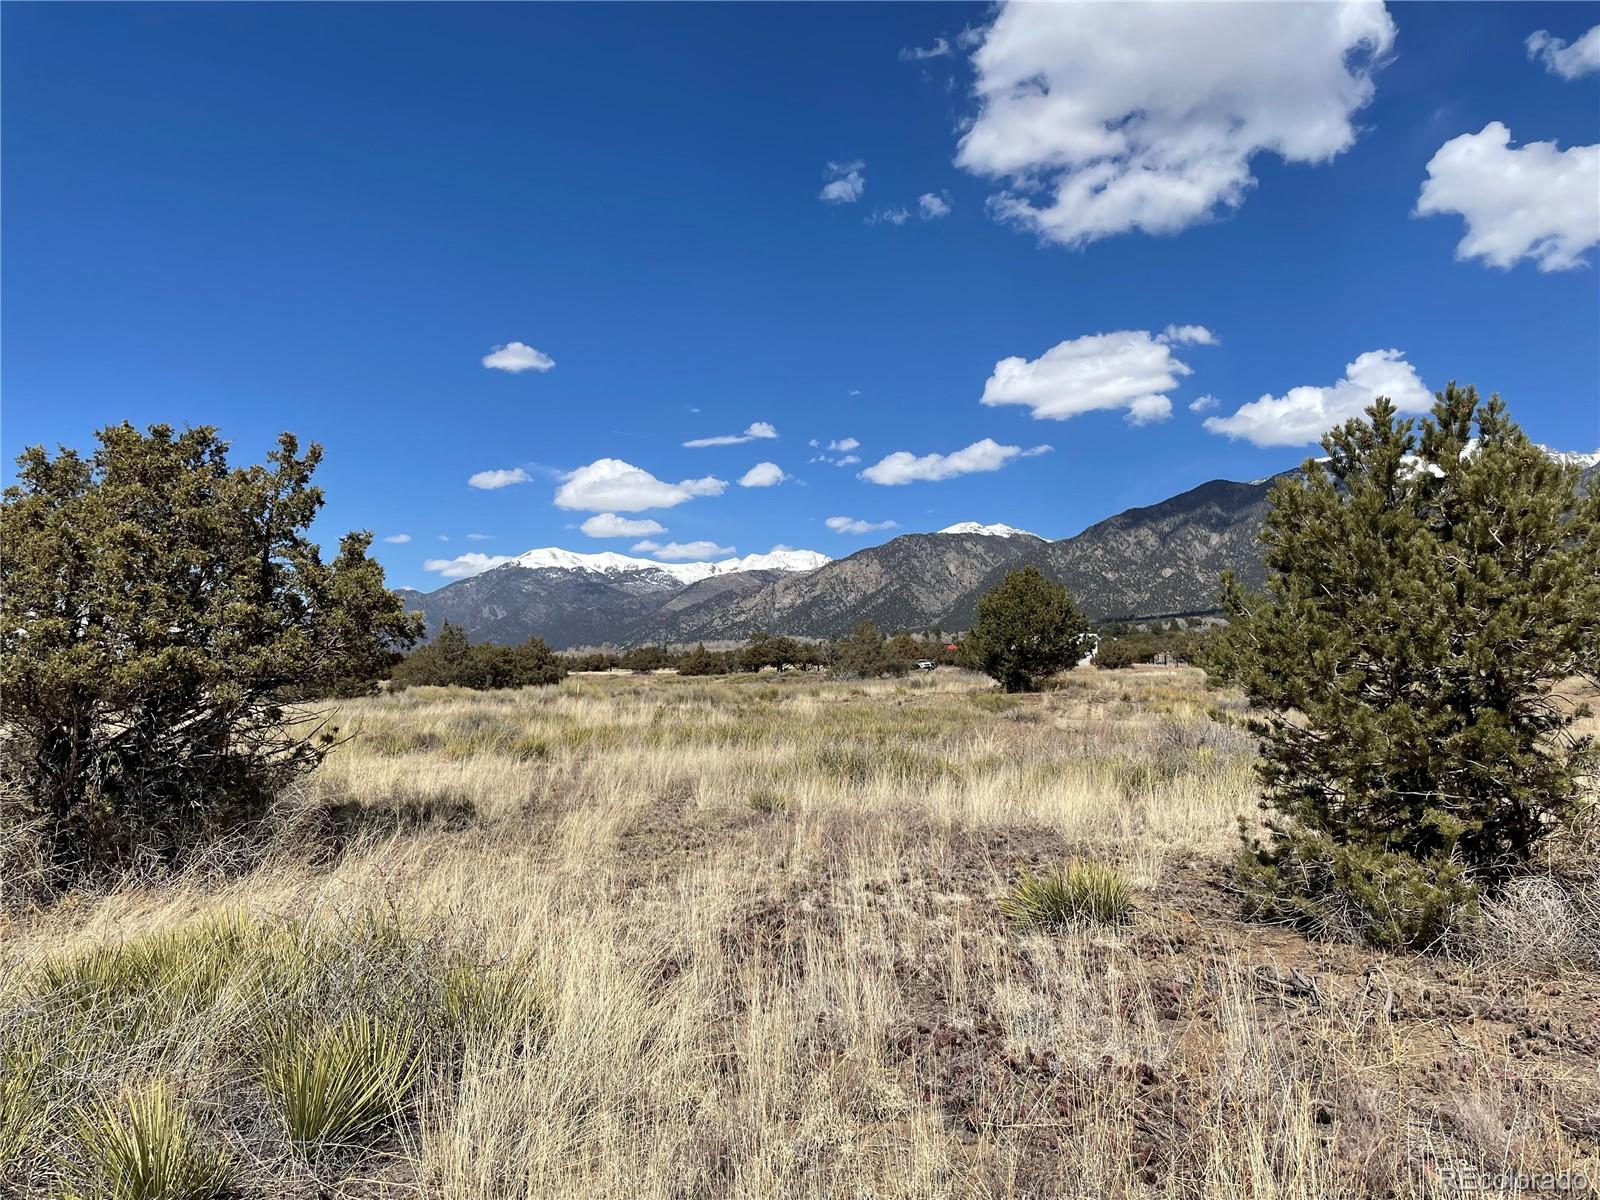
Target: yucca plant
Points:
(495, 1003)
(333, 1085)
(148, 1147)
(1085, 893)
(21, 1104)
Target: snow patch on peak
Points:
(1004, 531)
(608, 562)
(1572, 458)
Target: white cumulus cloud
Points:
(856, 525)
(1197, 335)
(499, 479)
(398, 539)
(465, 565)
(904, 467)
(1534, 201)
(932, 206)
(1107, 118)
(1204, 404)
(758, 429)
(1570, 62)
(1128, 370)
(889, 216)
(1302, 415)
(517, 357)
(683, 551)
(611, 485)
(846, 182)
(763, 474)
(609, 525)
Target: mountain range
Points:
(1156, 561)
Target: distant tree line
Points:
(1135, 646)
(451, 660)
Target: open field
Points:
(656, 937)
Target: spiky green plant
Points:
(148, 1147)
(496, 1002)
(1085, 893)
(334, 1084)
(21, 1105)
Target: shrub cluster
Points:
(1126, 649)
(451, 660)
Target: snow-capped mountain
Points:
(1573, 458)
(1003, 531)
(574, 599)
(608, 562)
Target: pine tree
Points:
(1027, 630)
(1427, 595)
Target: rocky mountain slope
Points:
(1159, 560)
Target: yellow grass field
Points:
(650, 937)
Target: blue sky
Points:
(324, 218)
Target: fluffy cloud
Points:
(611, 485)
(1113, 117)
(1302, 415)
(759, 429)
(398, 539)
(932, 207)
(499, 479)
(856, 525)
(889, 216)
(904, 467)
(939, 49)
(845, 183)
(609, 525)
(1570, 62)
(517, 357)
(1530, 202)
(1204, 404)
(1129, 370)
(683, 551)
(843, 459)
(1197, 335)
(763, 474)
(465, 565)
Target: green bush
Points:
(148, 1147)
(1027, 630)
(159, 611)
(1085, 893)
(1388, 900)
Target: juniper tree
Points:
(1426, 596)
(160, 612)
(1027, 630)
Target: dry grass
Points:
(743, 938)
